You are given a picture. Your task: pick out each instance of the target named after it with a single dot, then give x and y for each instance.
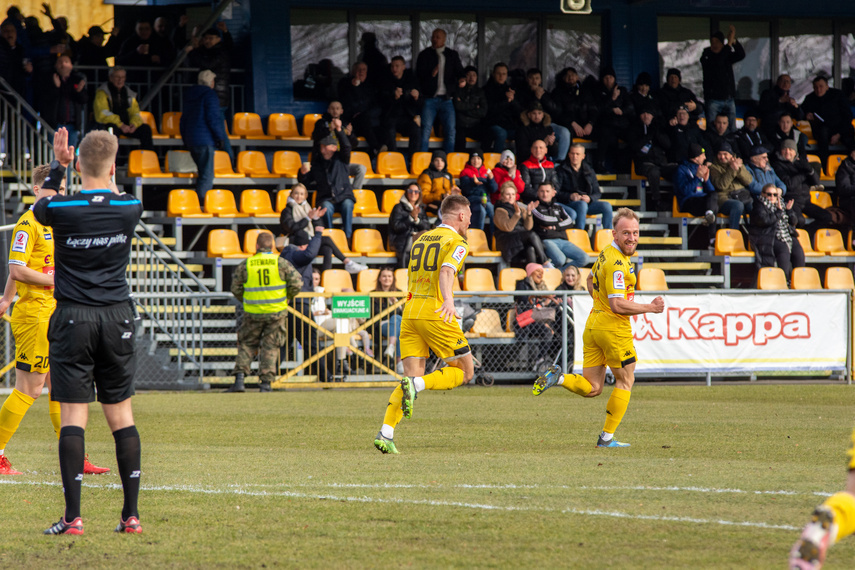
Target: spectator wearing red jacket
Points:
(505, 171)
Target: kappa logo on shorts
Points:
(627, 353)
(127, 335)
(22, 356)
(459, 341)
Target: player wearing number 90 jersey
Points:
(429, 322)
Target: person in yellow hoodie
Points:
(116, 107)
(436, 182)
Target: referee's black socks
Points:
(72, 451)
(128, 457)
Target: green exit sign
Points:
(351, 307)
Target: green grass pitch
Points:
(719, 477)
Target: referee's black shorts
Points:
(92, 347)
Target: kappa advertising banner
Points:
(723, 333)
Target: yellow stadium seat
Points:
(256, 203)
(282, 200)
(805, 278)
(335, 280)
(309, 124)
(283, 126)
(148, 119)
(183, 203)
(771, 278)
(287, 163)
(457, 162)
(478, 279)
(830, 242)
(366, 205)
(553, 277)
(340, 240)
(833, 164)
(419, 163)
(805, 128)
(478, 247)
(221, 203)
(390, 198)
(839, 278)
(392, 165)
(601, 239)
(652, 279)
(583, 274)
(730, 242)
(804, 240)
(170, 124)
(401, 280)
(144, 163)
(815, 158)
(820, 198)
(488, 324)
(580, 238)
(250, 238)
(223, 166)
(180, 156)
(225, 243)
(248, 126)
(367, 280)
(252, 163)
(675, 210)
(491, 159)
(508, 278)
(359, 157)
(369, 242)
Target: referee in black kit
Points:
(91, 332)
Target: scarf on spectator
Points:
(542, 286)
(782, 226)
(300, 212)
(119, 102)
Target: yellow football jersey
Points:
(614, 276)
(32, 246)
(434, 249)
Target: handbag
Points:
(743, 195)
(541, 314)
(525, 318)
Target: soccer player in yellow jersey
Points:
(832, 520)
(429, 321)
(31, 269)
(608, 332)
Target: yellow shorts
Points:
(420, 336)
(31, 347)
(609, 348)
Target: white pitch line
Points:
(430, 502)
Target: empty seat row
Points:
(250, 163)
(826, 241)
(366, 242)
(805, 278)
(281, 126)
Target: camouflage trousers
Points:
(262, 335)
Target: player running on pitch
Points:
(608, 332)
(31, 275)
(429, 321)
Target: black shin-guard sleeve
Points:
(72, 450)
(128, 457)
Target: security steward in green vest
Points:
(265, 284)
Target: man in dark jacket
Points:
(574, 108)
(613, 118)
(673, 95)
(577, 186)
(844, 188)
(14, 66)
(750, 135)
(330, 122)
(440, 74)
(213, 51)
(719, 133)
(830, 117)
(694, 190)
(143, 49)
(649, 142)
(534, 92)
(470, 104)
(91, 49)
(502, 110)
(551, 223)
(69, 97)
(719, 84)
(202, 129)
(399, 100)
(536, 125)
(800, 178)
(682, 131)
(328, 176)
(776, 101)
(361, 106)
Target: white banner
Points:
(734, 333)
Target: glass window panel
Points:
(847, 54)
(318, 36)
(572, 41)
(752, 73)
(806, 49)
(394, 35)
(681, 42)
(461, 34)
(513, 41)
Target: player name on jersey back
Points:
(441, 246)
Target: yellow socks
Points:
(393, 410)
(577, 384)
(53, 411)
(11, 414)
(444, 379)
(843, 505)
(616, 408)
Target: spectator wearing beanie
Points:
(673, 95)
(436, 182)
